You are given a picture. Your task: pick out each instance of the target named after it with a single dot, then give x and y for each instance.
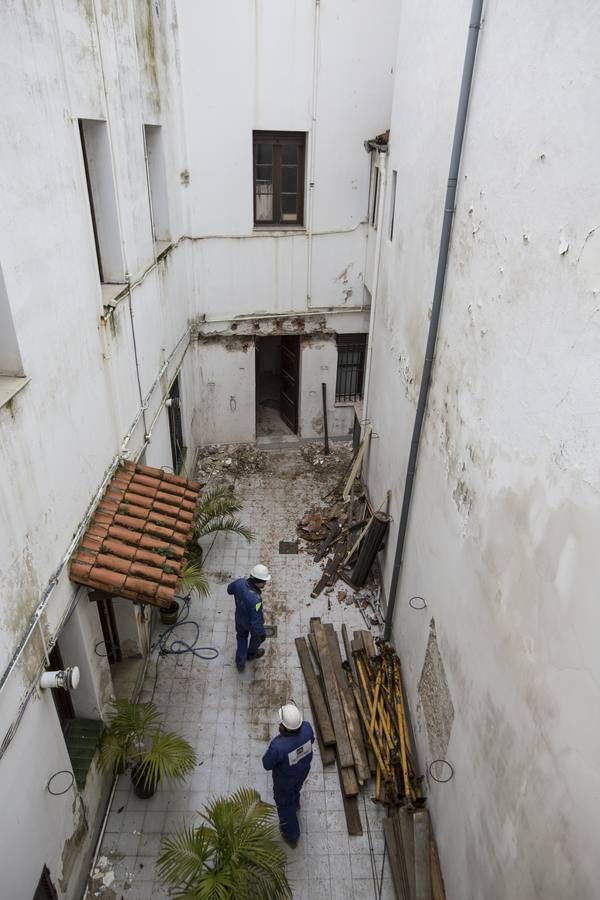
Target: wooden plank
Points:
(363, 769)
(422, 855)
(353, 823)
(327, 753)
(313, 644)
(344, 750)
(438, 890)
(334, 530)
(322, 719)
(355, 735)
(396, 858)
(358, 642)
(349, 782)
(369, 643)
(313, 647)
(408, 846)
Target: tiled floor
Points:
(230, 718)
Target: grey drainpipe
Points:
(457, 145)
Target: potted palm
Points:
(233, 852)
(215, 513)
(135, 737)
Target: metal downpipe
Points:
(449, 209)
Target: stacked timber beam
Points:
(359, 716)
(413, 855)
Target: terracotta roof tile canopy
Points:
(135, 544)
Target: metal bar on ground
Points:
(325, 429)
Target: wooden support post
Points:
(422, 855)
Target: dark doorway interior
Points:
(175, 426)
(45, 889)
(277, 380)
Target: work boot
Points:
(260, 652)
(240, 666)
(290, 843)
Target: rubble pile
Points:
(216, 460)
(337, 458)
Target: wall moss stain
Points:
(147, 44)
(72, 846)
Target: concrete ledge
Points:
(11, 385)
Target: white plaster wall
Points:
(81, 644)
(501, 538)
(60, 62)
(318, 364)
(39, 825)
(260, 55)
(221, 378)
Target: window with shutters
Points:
(279, 177)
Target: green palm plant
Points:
(216, 512)
(135, 737)
(192, 577)
(234, 853)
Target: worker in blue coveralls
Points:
(249, 617)
(289, 757)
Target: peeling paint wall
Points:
(65, 61)
(272, 44)
(221, 376)
(319, 364)
(502, 539)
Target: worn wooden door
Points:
(290, 376)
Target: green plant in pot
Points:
(135, 737)
(215, 513)
(233, 853)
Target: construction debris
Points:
(359, 716)
(347, 533)
(413, 856)
(231, 459)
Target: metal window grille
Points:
(350, 367)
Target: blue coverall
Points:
(249, 619)
(289, 757)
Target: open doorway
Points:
(277, 377)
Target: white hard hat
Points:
(290, 716)
(260, 573)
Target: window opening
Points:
(45, 889)
(157, 182)
(350, 368)
(178, 449)
(278, 177)
(97, 163)
(10, 357)
(393, 204)
(374, 195)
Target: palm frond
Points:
(127, 718)
(216, 511)
(218, 501)
(114, 751)
(184, 857)
(193, 578)
(222, 524)
(169, 756)
(241, 856)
